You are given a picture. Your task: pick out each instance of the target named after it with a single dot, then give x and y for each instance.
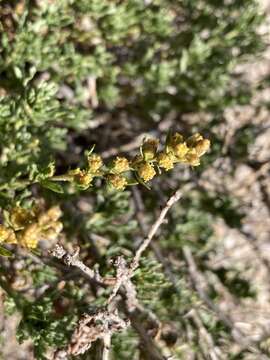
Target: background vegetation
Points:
(78, 73)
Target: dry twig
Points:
(106, 321)
(73, 260)
(154, 228)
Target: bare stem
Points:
(73, 260)
(106, 347)
(154, 228)
(123, 276)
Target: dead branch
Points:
(154, 228)
(153, 245)
(105, 322)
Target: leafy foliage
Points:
(64, 66)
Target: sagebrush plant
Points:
(26, 226)
(74, 73)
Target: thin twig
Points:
(154, 228)
(138, 202)
(73, 260)
(106, 346)
(81, 342)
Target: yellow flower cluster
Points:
(115, 179)
(120, 165)
(145, 165)
(146, 171)
(177, 150)
(165, 161)
(81, 177)
(94, 163)
(118, 182)
(149, 149)
(188, 151)
(27, 227)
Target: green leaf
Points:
(52, 186)
(5, 252)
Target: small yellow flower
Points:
(28, 242)
(57, 227)
(49, 226)
(83, 178)
(149, 149)
(180, 150)
(146, 171)
(177, 146)
(54, 213)
(174, 140)
(118, 182)
(120, 164)
(32, 226)
(29, 236)
(53, 232)
(7, 235)
(94, 163)
(192, 157)
(165, 160)
(49, 234)
(193, 140)
(202, 146)
(20, 217)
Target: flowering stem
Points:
(63, 177)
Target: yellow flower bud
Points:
(94, 163)
(54, 213)
(43, 219)
(7, 235)
(120, 164)
(192, 157)
(32, 229)
(202, 147)
(146, 171)
(118, 182)
(53, 232)
(180, 150)
(49, 234)
(57, 227)
(174, 140)
(177, 146)
(20, 217)
(28, 242)
(193, 140)
(29, 236)
(165, 160)
(4, 233)
(83, 178)
(149, 149)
